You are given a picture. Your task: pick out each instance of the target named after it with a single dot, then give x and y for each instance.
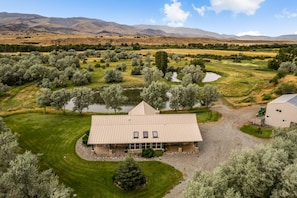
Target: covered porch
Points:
(121, 149)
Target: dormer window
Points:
(155, 134)
(145, 134)
(135, 134)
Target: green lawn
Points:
(202, 114)
(255, 131)
(54, 135)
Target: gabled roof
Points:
(119, 129)
(143, 109)
(287, 98)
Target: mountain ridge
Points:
(33, 23)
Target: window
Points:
(155, 134)
(135, 134)
(145, 134)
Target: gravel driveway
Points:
(219, 140)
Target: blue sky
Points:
(238, 17)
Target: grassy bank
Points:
(260, 132)
(202, 114)
(55, 135)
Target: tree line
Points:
(137, 46)
(181, 97)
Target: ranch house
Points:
(282, 112)
(144, 127)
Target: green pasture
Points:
(54, 136)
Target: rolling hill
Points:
(32, 23)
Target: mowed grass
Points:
(55, 135)
(256, 131)
(202, 114)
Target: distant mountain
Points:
(32, 23)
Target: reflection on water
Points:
(209, 77)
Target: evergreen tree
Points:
(129, 175)
(161, 60)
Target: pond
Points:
(100, 108)
(209, 77)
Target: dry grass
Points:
(214, 52)
(65, 39)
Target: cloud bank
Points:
(174, 14)
(248, 7)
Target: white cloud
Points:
(249, 33)
(286, 14)
(248, 7)
(295, 32)
(201, 10)
(175, 16)
(152, 21)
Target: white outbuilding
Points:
(282, 112)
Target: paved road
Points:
(220, 139)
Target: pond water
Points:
(209, 77)
(100, 108)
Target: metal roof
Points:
(143, 109)
(119, 129)
(287, 98)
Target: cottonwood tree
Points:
(151, 74)
(129, 175)
(113, 76)
(191, 96)
(186, 80)
(82, 98)
(268, 171)
(82, 77)
(113, 97)
(8, 145)
(288, 67)
(60, 98)
(177, 96)
(161, 60)
(23, 179)
(195, 72)
(43, 98)
(3, 88)
(209, 94)
(155, 94)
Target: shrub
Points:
(158, 153)
(266, 96)
(85, 138)
(287, 88)
(147, 153)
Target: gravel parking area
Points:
(219, 140)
